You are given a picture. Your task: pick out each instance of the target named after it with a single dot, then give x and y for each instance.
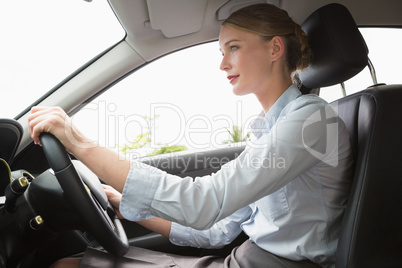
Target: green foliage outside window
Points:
(236, 135)
(144, 139)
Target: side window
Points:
(385, 54)
(182, 101)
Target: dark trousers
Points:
(247, 255)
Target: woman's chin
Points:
(239, 91)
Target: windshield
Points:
(45, 41)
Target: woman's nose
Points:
(224, 64)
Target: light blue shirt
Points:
(287, 191)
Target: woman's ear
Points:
(278, 48)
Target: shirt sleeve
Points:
(262, 168)
(220, 234)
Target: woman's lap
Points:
(246, 255)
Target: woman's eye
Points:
(233, 48)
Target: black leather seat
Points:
(371, 233)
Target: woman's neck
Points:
(268, 97)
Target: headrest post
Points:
(343, 89)
(372, 71)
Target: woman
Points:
(291, 211)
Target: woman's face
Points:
(246, 60)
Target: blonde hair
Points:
(267, 21)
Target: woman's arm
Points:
(219, 235)
(103, 162)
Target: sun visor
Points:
(176, 17)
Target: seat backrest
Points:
(371, 235)
(371, 232)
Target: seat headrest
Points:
(338, 48)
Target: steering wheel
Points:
(92, 208)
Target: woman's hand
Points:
(105, 163)
(114, 198)
(55, 121)
(158, 225)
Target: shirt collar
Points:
(263, 124)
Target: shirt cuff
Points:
(180, 235)
(139, 191)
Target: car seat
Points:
(371, 232)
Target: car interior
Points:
(47, 214)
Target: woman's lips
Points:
(232, 78)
